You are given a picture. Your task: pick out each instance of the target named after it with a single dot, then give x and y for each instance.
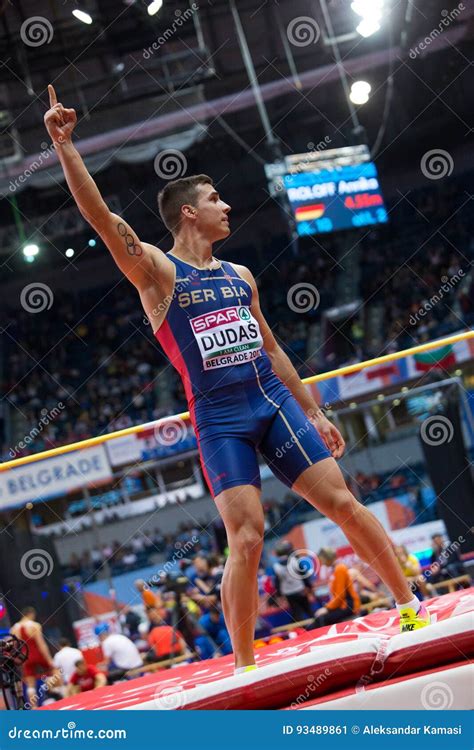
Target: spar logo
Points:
(219, 317)
(244, 314)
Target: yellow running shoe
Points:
(411, 620)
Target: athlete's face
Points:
(212, 214)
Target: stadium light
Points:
(368, 8)
(30, 252)
(368, 26)
(154, 7)
(81, 15)
(360, 91)
(69, 252)
(371, 12)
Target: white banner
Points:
(55, 476)
(124, 450)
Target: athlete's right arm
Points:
(139, 261)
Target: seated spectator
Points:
(345, 601)
(409, 563)
(164, 641)
(295, 588)
(215, 632)
(206, 589)
(66, 658)
(85, 677)
(120, 652)
(368, 591)
(445, 560)
(132, 621)
(412, 569)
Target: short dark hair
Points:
(63, 642)
(175, 194)
(28, 611)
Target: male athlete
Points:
(242, 390)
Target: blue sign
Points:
(333, 199)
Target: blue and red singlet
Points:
(237, 403)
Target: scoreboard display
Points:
(331, 190)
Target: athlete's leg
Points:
(242, 513)
(324, 487)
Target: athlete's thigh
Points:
(323, 485)
(292, 444)
(228, 461)
(240, 508)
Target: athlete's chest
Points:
(207, 293)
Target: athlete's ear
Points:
(189, 210)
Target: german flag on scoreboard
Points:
(307, 213)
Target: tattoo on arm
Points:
(133, 248)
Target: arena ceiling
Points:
(128, 67)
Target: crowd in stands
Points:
(94, 353)
(179, 616)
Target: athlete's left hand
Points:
(331, 436)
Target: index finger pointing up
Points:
(53, 99)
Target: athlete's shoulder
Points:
(244, 272)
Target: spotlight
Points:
(368, 8)
(30, 252)
(69, 252)
(92, 243)
(360, 91)
(154, 7)
(368, 26)
(82, 16)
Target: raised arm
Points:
(139, 261)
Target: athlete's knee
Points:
(344, 508)
(247, 541)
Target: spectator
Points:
(445, 560)
(291, 583)
(215, 631)
(66, 658)
(165, 642)
(344, 602)
(85, 677)
(120, 652)
(132, 621)
(149, 598)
